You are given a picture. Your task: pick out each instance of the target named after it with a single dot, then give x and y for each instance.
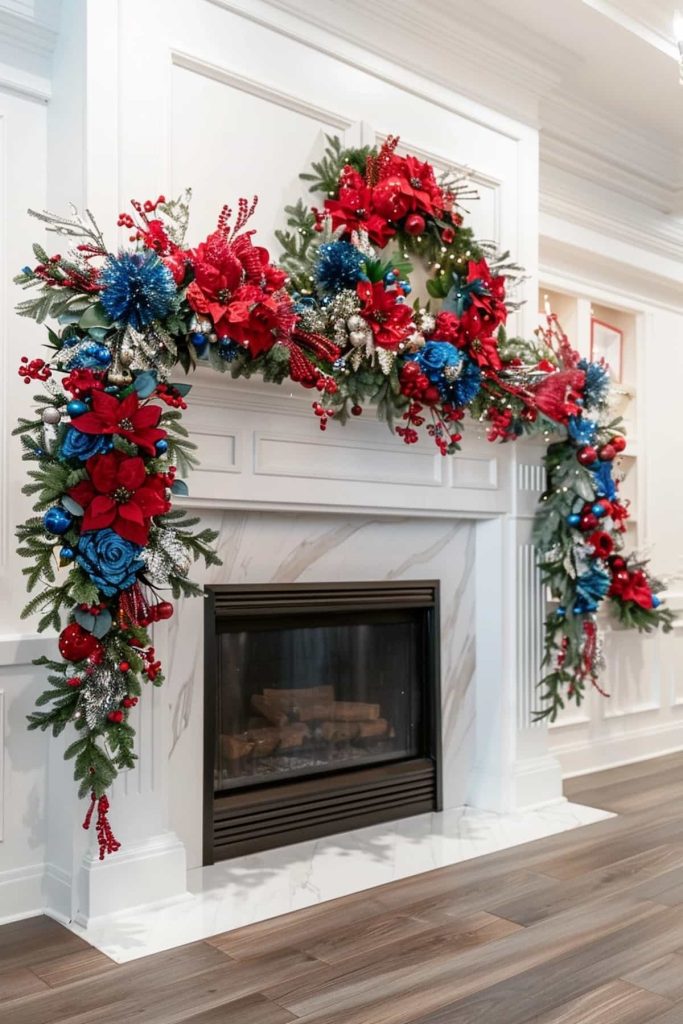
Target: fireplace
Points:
(322, 710)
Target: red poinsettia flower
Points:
(408, 185)
(120, 495)
(391, 321)
(129, 419)
(354, 209)
(488, 311)
(484, 351)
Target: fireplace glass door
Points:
(312, 691)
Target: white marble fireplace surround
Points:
(292, 504)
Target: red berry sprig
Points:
(36, 369)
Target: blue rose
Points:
(111, 562)
(77, 445)
(435, 357)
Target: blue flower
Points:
(596, 386)
(466, 388)
(77, 445)
(593, 585)
(340, 265)
(581, 431)
(138, 288)
(435, 357)
(604, 483)
(457, 377)
(111, 562)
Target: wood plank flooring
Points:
(581, 928)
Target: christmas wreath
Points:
(108, 448)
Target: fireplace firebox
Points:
(322, 710)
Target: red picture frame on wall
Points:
(607, 342)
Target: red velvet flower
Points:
(120, 495)
(391, 321)
(126, 419)
(82, 382)
(257, 320)
(354, 209)
(632, 586)
(602, 543)
(448, 327)
(233, 283)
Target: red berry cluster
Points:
(171, 396)
(152, 666)
(413, 418)
(116, 716)
(92, 609)
(323, 414)
(326, 384)
(417, 385)
(36, 369)
(501, 424)
(149, 206)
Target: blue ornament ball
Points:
(656, 601)
(574, 519)
(57, 520)
(599, 511)
(389, 277)
(406, 286)
(66, 553)
(161, 446)
(99, 354)
(200, 341)
(76, 408)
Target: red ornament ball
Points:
(76, 644)
(607, 453)
(618, 443)
(164, 610)
(587, 456)
(73, 681)
(621, 576)
(588, 522)
(356, 410)
(115, 716)
(124, 666)
(415, 224)
(447, 236)
(617, 563)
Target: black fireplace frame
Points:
(333, 801)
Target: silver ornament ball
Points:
(358, 338)
(51, 415)
(355, 322)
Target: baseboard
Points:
(584, 757)
(22, 893)
(152, 871)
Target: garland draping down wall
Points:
(106, 443)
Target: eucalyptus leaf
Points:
(85, 619)
(180, 487)
(72, 506)
(103, 623)
(94, 316)
(145, 383)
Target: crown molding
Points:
(26, 32)
(575, 202)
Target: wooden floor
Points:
(582, 927)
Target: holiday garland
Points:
(106, 441)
